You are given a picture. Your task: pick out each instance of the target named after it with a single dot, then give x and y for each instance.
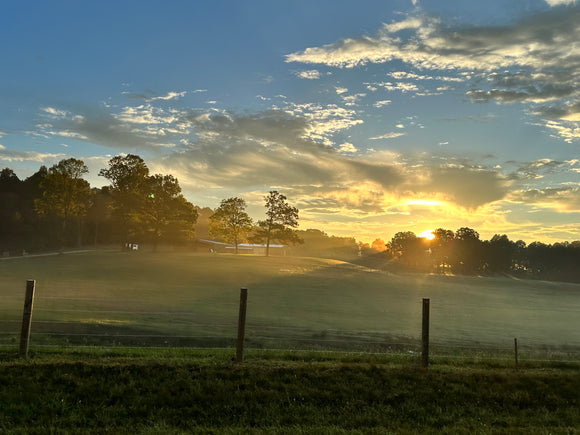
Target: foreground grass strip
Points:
(202, 391)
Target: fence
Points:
(82, 321)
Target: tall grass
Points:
(202, 391)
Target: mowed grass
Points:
(174, 391)
(192, 299)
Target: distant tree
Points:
(441, 248)
(203, 221)
(319, 244)
(499, 253)
(467, 254)
(166, 212)
(409, 248)
(379, 245)
(64, 193)
(231, 222)
(280, 220)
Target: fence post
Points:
(27, 317)
(516, 350)
(241, 324)
(425, 334)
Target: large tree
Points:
(128, 176)
(167, 214)
(231, 222)
(64, 193)
(280, 220)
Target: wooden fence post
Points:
(27, 317)
(241, 324)
(425, 334)
(516, 350)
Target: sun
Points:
(427, 234)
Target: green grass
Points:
(185, 299)
(115, 390)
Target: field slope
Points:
(143, 298)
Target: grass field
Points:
(172, 298)
(175, 391)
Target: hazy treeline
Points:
(463, 252)
(56, 207)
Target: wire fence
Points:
(53, 323)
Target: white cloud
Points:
(309, 74)
(340, 90)
(560, 2)
(31, 156)
(57, 113)
(170, 96)
(390, 135)
(347, 147)
(532, 61)
(382, 103)
(351, 100)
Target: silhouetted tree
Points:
(281, 217)
(231, 222)
(467, 253)
(441, 248)
(65, 194)
(410, 249)
(499, 254)
(166, 212)
(128, 176)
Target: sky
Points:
(372, 117)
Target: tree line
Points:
(463, 252)
(56, 208)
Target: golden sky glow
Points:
(360, 113)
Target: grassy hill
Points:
(192, 299)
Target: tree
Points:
(128, 176)
(500, 251)
(281, 217)
(64, 193)
(441, 248)
(166, 212)
(231, 222)
(467, 254)
(379, 245)
(409, 248)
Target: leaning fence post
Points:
(27, 317)
(425, 334)
(516, 350)
(241, 324)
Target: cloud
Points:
(390, 135)
(382, 103)
(533, 61)
(560, 2)
(563, 199)
(347, 147)
(309, 74)
(31, 156)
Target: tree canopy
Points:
(280, 220)
(230, 222)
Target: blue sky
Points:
(372, 117)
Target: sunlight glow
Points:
(427, 234)
(423, 202)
